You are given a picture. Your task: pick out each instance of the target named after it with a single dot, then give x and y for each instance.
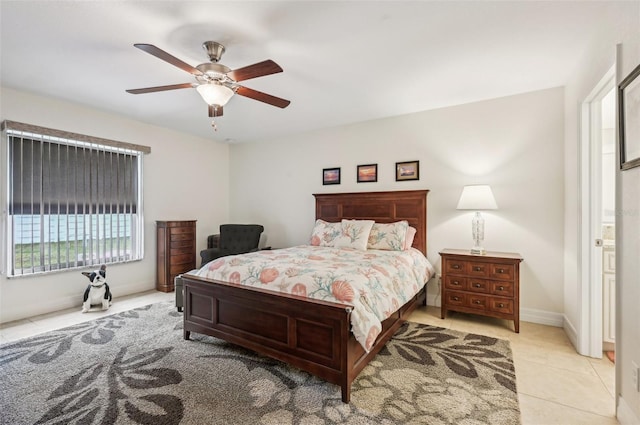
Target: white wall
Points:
(627, 255)
(185, 178)
(515, 144)
(623, 28)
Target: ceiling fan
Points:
(216, 83)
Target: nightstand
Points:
(487, 285)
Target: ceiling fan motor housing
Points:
(214, 50)
(212, 72)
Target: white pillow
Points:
(388, 236)
(355, 234)
(325, 233)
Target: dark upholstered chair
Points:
(232, 239)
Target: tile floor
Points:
(555, 384)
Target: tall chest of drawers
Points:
(175, 250)
(488, 284)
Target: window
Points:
(72, 200)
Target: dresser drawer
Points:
(462, 299)
(504, 289)
(477, 302)
(504, 306)
(182, 250)
(456, 298)
(181, 229)
(478, 269)
(455, 282)
(455, 266)
(184, 236)
(502, 271)
(182, 259)
(181, 243)
(182, 267)
(479, 285)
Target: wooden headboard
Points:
(383, 207)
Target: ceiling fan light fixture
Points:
(215, 94)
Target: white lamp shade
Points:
(477, 197)
(215, 94)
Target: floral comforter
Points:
(375, 282)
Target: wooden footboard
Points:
(311, 335)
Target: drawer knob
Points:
(455, 298)
(455, 282)
(501, 305)
(500, 270)
(477, 285)
(476, 268)
(477, 301)
(455, 266)
(500, 288)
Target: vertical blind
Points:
(71, 203)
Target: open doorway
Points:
(597, 193)
(608, 222)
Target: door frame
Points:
(590, 306)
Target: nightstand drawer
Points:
(455, 266)
(504, 289)
(501, 271)
(478, 269)
(477, 302)
(456, 298)
(461, 299)
(501, 306)
(479, 285)
(455, 282)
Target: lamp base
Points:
(476, 250)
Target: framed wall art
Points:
(331, 175)
(367, 173)
(407, 170)
(629, 120)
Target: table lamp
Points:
(477, 197)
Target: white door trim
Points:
(590, 276)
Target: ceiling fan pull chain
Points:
(213, 124)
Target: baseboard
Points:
(571, 332)
(625, 415)
(541, 317)
(64, 303)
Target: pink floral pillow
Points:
(325, 233)
(388, 236)
(411, 234)
(355, 234)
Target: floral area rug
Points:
(135, 368)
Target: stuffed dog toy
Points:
(97, 293)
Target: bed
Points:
(310, 334)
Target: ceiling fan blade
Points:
(215, 111)
(161, 88)
(260, 69)
(263, 97)
(161, 54)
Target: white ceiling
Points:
(344, 61)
